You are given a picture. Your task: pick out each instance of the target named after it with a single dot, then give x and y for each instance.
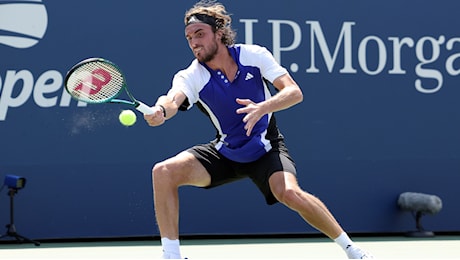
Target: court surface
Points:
(439, 247)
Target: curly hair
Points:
(222, 18)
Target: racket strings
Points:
(95, 82)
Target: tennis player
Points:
(228, 82)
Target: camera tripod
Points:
(11, 228)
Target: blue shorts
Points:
(223, 170)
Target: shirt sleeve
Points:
(190, 81)
(262, 58)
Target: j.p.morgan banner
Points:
(323, 46)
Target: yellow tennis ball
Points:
(127, 117)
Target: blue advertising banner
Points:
(380, 114)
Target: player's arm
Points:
(166, 107)
(289, 94)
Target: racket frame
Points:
(131, 102)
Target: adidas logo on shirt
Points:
(248, 76)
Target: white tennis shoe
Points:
(354, 252)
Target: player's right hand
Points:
(156, 118)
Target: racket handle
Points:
(145, 109)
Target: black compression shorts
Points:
(223, 170)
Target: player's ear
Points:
(219, 34)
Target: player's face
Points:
(202, 41)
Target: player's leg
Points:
(285, 188)
(287, 191)
(168, 176)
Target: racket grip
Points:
(145, 109)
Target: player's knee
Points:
(287, 196)
(160, 172)
(167, 173)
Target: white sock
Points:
(171, 248)
(344, 241)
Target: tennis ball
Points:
(127, 117)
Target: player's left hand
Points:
(254, 112)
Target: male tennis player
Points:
(228, 82)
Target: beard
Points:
(209, 55)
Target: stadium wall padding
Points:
(380, 116)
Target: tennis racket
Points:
(97, 80)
